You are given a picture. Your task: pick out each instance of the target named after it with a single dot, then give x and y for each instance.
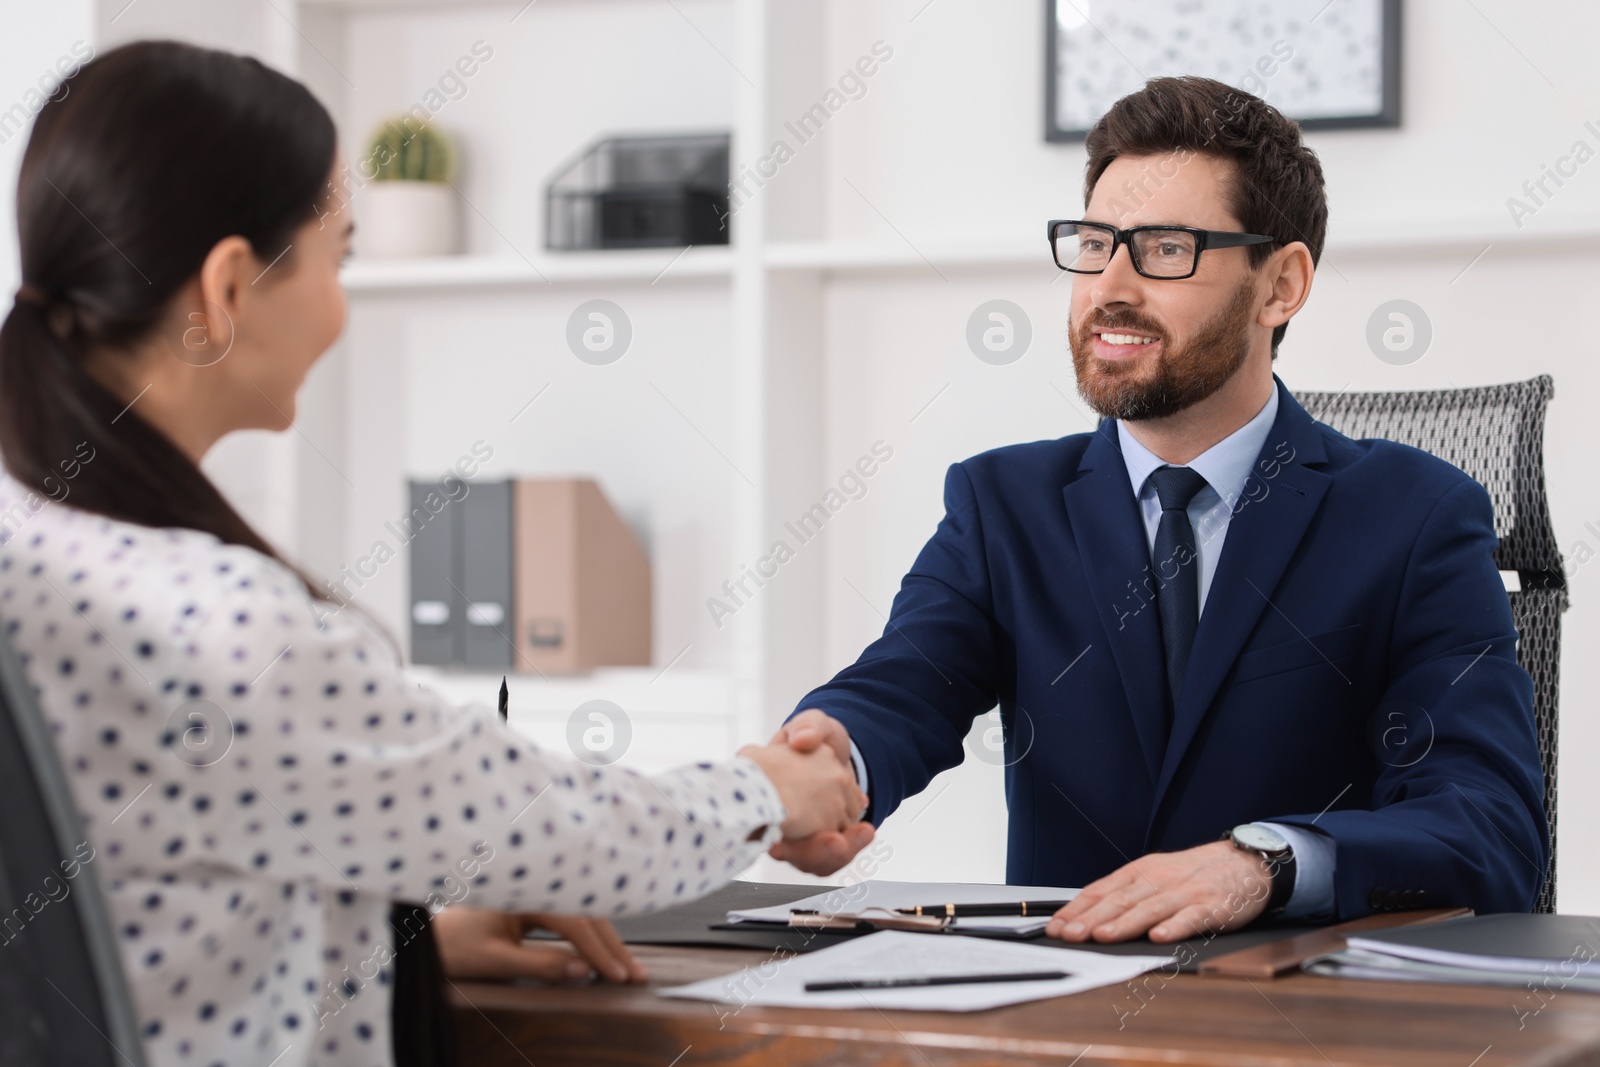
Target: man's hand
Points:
(825, 852)
(479, 943)
(811, 728)
(1169, 895)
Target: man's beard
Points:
(1181, 377)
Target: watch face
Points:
(1259, 837)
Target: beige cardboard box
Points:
(582, 580)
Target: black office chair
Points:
(1496, 434)
(63, 997)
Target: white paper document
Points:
(894, 954)
(878, 893)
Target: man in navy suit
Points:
(1244, 664)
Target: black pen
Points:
(942, 979)
(505, 700)
(1016, 907)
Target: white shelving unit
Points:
(473, 272)
(723, 379)
(838, 257)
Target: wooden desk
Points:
(1186, 1019)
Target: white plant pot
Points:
(401, 218)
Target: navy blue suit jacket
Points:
(1354, 671)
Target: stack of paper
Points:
(894, 954)
(1509, 949)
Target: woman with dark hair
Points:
(258, 779)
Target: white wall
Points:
(956, 116)
(33, 38)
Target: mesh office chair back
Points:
(63, 997)
(1496, 434)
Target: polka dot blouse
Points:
(257, 786)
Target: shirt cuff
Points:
(768, 812)
(1314, 862)
(861, 771)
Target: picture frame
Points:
(1328, 64)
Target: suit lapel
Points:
(1280, 498)
(1104, 522)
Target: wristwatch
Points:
(1276, 853)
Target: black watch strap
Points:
(1283, 876)
(1283, 869)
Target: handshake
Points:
(808, 761)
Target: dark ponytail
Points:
(160, 150)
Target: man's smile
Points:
(1121, 344)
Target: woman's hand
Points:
(818, 789)
(480, 943)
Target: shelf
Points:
(1469, 235)
(448, 273)
(674, 716)
(652, 692)
(882, 255)
(418, 6)
(891, 255)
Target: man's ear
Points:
(1289, 272)
(225, 279)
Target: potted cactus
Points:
(410, 207)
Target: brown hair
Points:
(160, 150)
(1277, 187)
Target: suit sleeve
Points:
(1457, 806)
(910, 698)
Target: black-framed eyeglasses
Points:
(1166, 252)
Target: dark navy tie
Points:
(1177, 571)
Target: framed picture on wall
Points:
(1329, 64)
